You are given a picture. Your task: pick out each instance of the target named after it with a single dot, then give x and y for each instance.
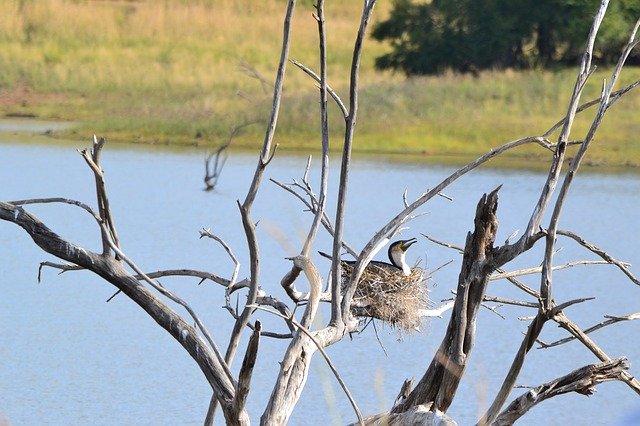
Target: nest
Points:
(390, 296)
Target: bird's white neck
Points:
(397, 257)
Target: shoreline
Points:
(37, 130)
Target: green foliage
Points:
(183, 72)
(471, 35)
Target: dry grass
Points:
(195, 44)
(175, 71)
(390, 296)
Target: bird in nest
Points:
(396, 253)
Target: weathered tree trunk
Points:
(294, 368)
(428, 402)
(438, 386)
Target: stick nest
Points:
(390, 296)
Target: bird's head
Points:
(397, 251)
(405, 244)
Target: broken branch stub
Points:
(439, 384)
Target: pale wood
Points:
(434, 393)
(113, 272)
(438, 386)
(582, 380)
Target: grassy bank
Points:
(189, 71)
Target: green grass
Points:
(180, 72)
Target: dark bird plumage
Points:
(396, 255)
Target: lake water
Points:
(67, 357)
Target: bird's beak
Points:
(408, 243)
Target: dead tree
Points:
(483, 261)
(215, 161)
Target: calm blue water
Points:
(70, 358)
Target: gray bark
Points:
(438, 386)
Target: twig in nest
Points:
(390, 296)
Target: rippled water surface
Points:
(70, 358)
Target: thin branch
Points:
(624, 267)
(512, 280)
(350, 123)
(203, 275)
(63, 267)
(177, 300)
(332, 367)
(436, 312)
(59, 200)
(311, 206)
(510, 302)
(332, 93)
(104, 208)
(561, 319)
(189, 273)
(582, 381)
(612, 320)
(615, 96)
(538, 269)
(236, 268)
(287, 282)
(245, 207)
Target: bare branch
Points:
(61, 266)
(113, 272)
(538, 269)
(436, 312)
(439, 383)
(104, 209)
(187, 273)
(236, 269)
(324, 169)
(312, 207)
(342, 315)
(582, 380)
(572, 328)
(510, 302)
(244, 378)
(219, 156)
(320, 348)
(624, 267)
(610, 321)
(59, 200)
(332, 93)
(615, 96)
(245, 208)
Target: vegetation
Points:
(483, 259)
(467, 35)
(190, 71)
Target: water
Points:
(70, 358)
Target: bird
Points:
(396, 253)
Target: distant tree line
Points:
(470, 35)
